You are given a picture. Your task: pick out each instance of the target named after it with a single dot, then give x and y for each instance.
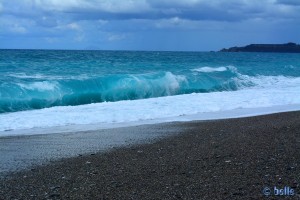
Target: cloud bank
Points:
(146, 24)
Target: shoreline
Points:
(215, 159)
(34, 147)
(23, 152)
(202, 116)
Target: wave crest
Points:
(210, 69)
(42, 94)
(40, 86)
(37, 94)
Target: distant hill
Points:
(277, 48)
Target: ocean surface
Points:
(46, 89)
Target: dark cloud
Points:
(147, 24)
(208, 10)
(289, 2)
(231, 12)
(227, 11)
(47, 14)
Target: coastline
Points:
(26, 151)
(201, 116)
(215, 159)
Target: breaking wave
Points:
(40, 91)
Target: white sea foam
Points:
(268, 92)
(172, 82)
(40, 86)
(25, 76)
(48, 77)
(210, 69)
(264, 82)
(167, 84)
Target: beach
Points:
(150, 99)
(216, 159)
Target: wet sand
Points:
(22, 152)
(220, 159)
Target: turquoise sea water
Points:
(35, 79)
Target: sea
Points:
(67, 90)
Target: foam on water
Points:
(37, 94)
(279, 91)
(210, 69)
(41, 77)
(28, 93)
(47, 89)
(40, 86)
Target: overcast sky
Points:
(188, 25)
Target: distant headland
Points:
(276, 48)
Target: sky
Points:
(162, 25)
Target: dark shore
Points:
(222, 159)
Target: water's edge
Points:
(25, 151)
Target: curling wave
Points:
(40, 91)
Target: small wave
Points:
(47, 77)
(210, 69)
(289, 67)
(25, 76)
(281, 82)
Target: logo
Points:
(267, 191)
(276, 191)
